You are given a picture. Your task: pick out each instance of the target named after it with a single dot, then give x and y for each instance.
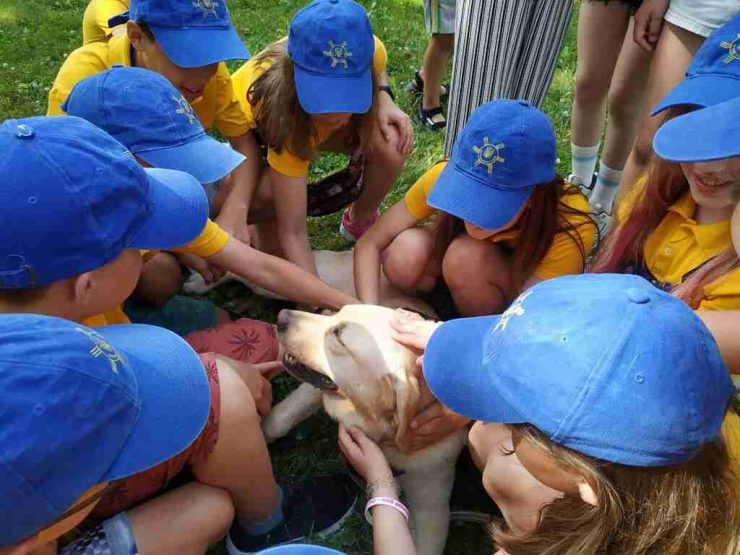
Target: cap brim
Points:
(179, 214)
(173, 390)
(700, 136)
(204, 158)
(454, 371)
(461, 195)
(321, 94)
(700, 91)
(190, 47)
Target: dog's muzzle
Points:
(307, 374)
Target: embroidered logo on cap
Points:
(489, 155)
(102, 348)
(184, 108)
(516, 309)
(733, 49)
(339, 54)
(207, 6)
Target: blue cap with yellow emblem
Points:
(701, 136)
(594, 362)
(505, 150)
(331, 45)
(714, 74)
(83, 407)
(142, 110)
(193, 33)
(75, 198)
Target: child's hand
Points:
(364, 455)
(411, 330)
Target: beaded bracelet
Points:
(386, 502)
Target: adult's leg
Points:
(676, 47)
(488, 38)
(478, 276)
(383, 165)
(627, 100)
(436, 58)
(408, 260)
(601, 29)
(545, 28)
(187, 520)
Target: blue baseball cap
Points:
(604, 364)
(82, 407)
(505, 150)
(142, 110)
(706, 134)
(75, 198)
(331, 45)
(714, 73)
(193, 33)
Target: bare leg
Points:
(601, 30)
(408, 260)
(240, 463)
(436, 58)
(627, 101)
(186, 520)
(160, 279)
(478, 275)
(383, 165)
(676, 47)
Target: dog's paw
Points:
(275, 428)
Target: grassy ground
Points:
(35, 37)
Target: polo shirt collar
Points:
(711, 238)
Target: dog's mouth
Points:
(307, 374)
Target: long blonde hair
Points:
(688, 509)
(281, 120)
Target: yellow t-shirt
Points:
(211, 241)
(285, 162)
(217, 107)
(95, 21)
(562, 258)
(680, 245)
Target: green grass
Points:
(35, 38)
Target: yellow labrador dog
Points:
(350, 362)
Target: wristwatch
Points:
(387, 89)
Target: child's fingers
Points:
(270, 369)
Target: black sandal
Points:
(426, 117)
(417, 87)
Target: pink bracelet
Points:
(387, 502)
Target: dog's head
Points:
(352, 354)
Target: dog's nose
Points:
(283, 320)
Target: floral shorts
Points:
(244, 340)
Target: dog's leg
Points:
(427, 492)
(291, 411)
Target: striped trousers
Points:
(503, 49)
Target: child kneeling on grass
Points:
(323, 89)
(504, 219)
(81, 208)
(592, 438)
(142, 110)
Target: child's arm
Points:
(291, 201)
(245, 180)
(391, 534)
(368, 249)
(279, 276)
(725, 327)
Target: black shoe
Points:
(426, 118)
(416, 86)
(316, 507)
(469, 501)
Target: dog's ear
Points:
(408, 392)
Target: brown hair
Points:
(282, 122)
(545, 215)
(675, 510)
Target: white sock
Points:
(605, 189)
(583, 162)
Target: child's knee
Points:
(160, 279)
(384, 150)
(238, 409)
(406, 259)
(216, 503)
(462, 262)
